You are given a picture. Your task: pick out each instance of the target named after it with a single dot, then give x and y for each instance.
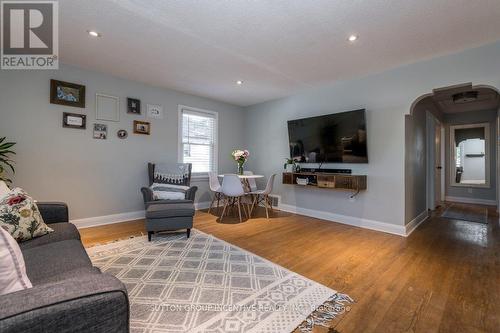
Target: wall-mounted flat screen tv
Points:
(334, 138)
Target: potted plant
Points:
(5, 161)
(289, 165)
(240, 156)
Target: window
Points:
(198, 139)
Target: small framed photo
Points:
(65, 93)
(100, 131)
(107, 107)
(155, 111)
(122, 134)
(142, 127)
(133, 105)
(74, 120)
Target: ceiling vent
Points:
(465, 97)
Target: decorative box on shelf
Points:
(351, 182)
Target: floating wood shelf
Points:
(338, 181)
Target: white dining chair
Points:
(233, 193)
(262, 196)
(216, 188)
(251, 181)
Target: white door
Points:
(438, 167)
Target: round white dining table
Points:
(246, 176)
(244, 180)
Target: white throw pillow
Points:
(4, 189)
(170, 186)
(12, 268)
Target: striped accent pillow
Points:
(12, 268)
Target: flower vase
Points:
(240, 168)
(290, 168)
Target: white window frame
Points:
(180, 148)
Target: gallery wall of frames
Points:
(107, 109)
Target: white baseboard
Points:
(108, 219)
(410, 227)
(344, 219)
(471, 201)
(121, 217)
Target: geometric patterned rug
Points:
(204, 284)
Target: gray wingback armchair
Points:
(181, 177)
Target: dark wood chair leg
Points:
(188, 232)
(150, 233)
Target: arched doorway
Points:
(429, 154)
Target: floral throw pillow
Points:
(20, 216)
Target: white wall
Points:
(387, 97)
(97, 177)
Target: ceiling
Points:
(276, 47)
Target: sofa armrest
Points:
(53, 212)
(190, 194)
(89, 303)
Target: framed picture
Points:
(100, 131)
(107, 107)
(133, 106)
(122, 134)
(74, 120)
(142, 127)
(65, 93)
(155, 111)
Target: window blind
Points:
(199, 140)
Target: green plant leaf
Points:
(7, 145)
(6, 152)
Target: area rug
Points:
(204, 284)
(466, 213)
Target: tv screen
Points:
(333, 138)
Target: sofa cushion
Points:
(159, 211)
(46, 261)
(75, 273)
(20, 216)
(62, 231)
(12, 267)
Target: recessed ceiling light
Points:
(239, 82)
(94, 33)
(352, 38)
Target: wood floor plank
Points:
(445, 277)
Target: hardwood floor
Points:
(445, 277)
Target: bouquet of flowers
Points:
(240, 156)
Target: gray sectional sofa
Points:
(68, 294)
